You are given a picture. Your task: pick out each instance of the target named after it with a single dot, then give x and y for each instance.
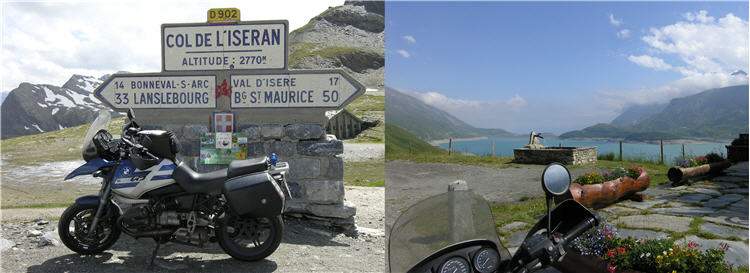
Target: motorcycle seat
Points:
(247, 166)
(195, 182)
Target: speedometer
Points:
(455, 265)
(487, 260)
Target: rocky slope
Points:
(349, 37)
(36, 108)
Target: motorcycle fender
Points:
(88, 200)
(90, 167)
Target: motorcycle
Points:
(454, 232)
(148, 192)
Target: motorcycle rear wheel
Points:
(74, 225)
(249, 239)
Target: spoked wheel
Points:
(74, 227)
(249, 239)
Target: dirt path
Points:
(304, 248)
(363, 151)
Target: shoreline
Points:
(446, 140)
(666, 141)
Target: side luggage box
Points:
(254, 195)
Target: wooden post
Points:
(683, 150)
(493, 148)
(559, 144)
(661, 143)
(450, 145)
(620, 150)
(410, 147)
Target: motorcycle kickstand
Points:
(153, 255)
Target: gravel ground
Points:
(305, 247)
(363, 151)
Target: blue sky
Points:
(555, 66)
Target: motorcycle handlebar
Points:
(581, 228)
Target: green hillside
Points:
(427, 122)
(720, 113)
(400, 141)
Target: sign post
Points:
(158, 91)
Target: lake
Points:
(505, 146)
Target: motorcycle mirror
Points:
(555, 182)
(556, 179)
(131, 114)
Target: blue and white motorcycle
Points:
(148, 192)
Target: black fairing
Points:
(254, 195)
(565, 217)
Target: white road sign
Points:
(153, 91)
(246, 45)
(294, 89)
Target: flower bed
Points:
(598, 190)
(601, 245)
(712, 163)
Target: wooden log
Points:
(600, 195)
(679, 175)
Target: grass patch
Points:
(369, 173)
(366, 103)
(741, 269)
(519, 211)
(39, 206)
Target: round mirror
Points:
(556, 179)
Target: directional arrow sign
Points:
(294, 89)
(158, 91)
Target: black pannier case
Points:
(160, 143)
(254, 195)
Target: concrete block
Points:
(331, 147)
(253, 131)
(281, 147)
(304, 131)
(271, 131)
(305, 167)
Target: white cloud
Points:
(403, 53)
(705, 50)
(614, 21)
(47, 42)
(409, 39)
(650, 62)
(622, 34)
(483, 114)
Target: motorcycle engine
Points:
(187, 227)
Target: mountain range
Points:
(348, 37)
(427, 122)
(720, 113)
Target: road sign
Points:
(224, 15)
(294, 89)
(204, 46)
(158, 91)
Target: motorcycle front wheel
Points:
(74, 228)
(249, 239)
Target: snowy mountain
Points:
(37, 108)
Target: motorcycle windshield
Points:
(437, 222)
(99, 123)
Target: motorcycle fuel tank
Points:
(132, 183)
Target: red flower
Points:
(621, 250)
(611, 253)
(611, 269)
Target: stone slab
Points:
(643, 204)
(681, 209)
(654, 192)
(641, 234)
(736, 255)
(657, 221)
(723, 200)
(730, 179)
(707, 191)
(516, 238)
(742, 191)
(621, 210)
(694, 198)
(724, 231)
(513, 226)
(728, 217)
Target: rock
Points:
(301, 168)
(194, 131)
(34, 233)
(331, 147)
(653, 192)
(736, 190)
(694, 198)
(363, 20)
(305, 131)
(458, 185)
(323, 191)
(657, 221)
(271, 131)
(728, 217)
(6, 244)
(335, 169)
(42, 222)
(255, 148)
(682, 209)
(253, 131)
(724, 231)
(643, 204)
(707, 191)
(730, 179)
(621, 210)
(340, 211)
(516, 238)
(736, 254)
(723, 200)
(281, 147)
(49, 238)
(641, 234)
(513, 226)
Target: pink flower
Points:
(611, 269)
(692, 244)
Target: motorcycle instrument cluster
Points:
(455, 265)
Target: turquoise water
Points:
(505, 146)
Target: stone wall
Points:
(564, 155)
